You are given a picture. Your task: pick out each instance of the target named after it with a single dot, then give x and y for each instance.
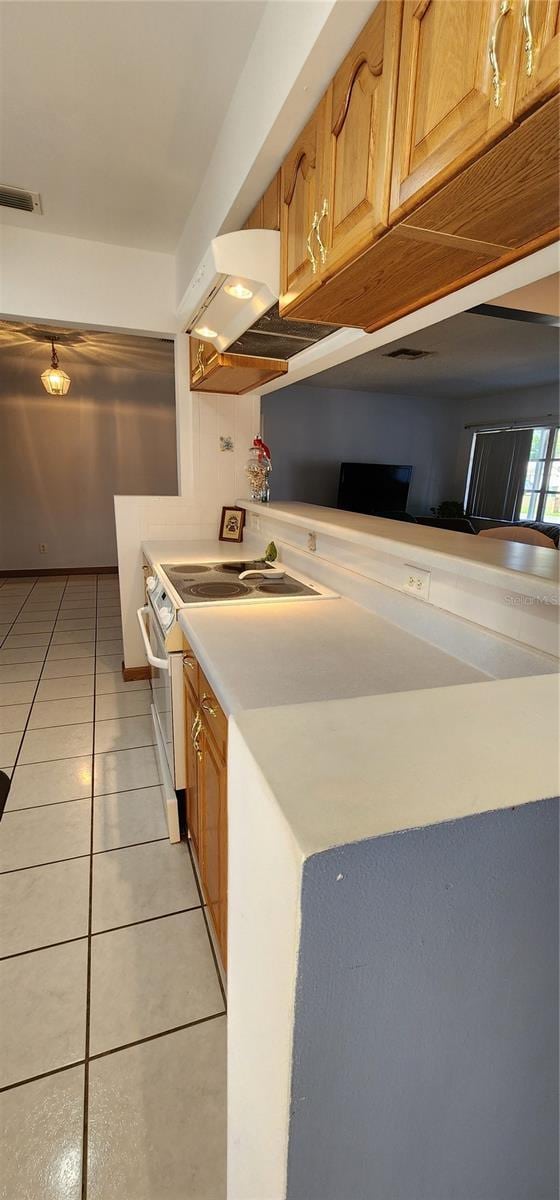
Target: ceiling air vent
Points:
(12, 197)
(407, 353)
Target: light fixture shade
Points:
(55, 381)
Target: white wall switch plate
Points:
(416, 581)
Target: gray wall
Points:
(63, 459)
(312, 430)
(426, 1028)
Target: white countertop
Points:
(530, 568)
(345, 770)
(359, 728)
(258, 656)
(211, 551)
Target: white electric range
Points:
(174, 586)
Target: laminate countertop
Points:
(260, 656)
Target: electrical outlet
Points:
(42, 547)
(312, 541)
(416, 581)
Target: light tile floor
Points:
(112, 1029)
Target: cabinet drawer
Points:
(214, 715)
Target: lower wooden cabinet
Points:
(206, 791)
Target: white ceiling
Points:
(469, 355)
(110, 110)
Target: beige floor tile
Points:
(23, 640)
(42, 1158)
(61, 689)
(9, 746)
(71, 650)
(13, 717)
(128, 817)
(46, 713)
(21, 654)
(113, 681)
(67, 637)
(50, 783)
(124, 733)
(43, 1005)
(112, 646)
(75, 623)
(123, 769)
(141, 882)
(43, 905)
(62, 742)
(106, 662)
(42, 835)
(35, 623)
(157, 1119)
(122, 704)
(16, 693)
(20, 672)
(70, 666)
(167, 978)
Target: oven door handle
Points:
(161, 663)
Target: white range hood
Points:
(237, 281)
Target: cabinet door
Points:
(213, 835)
(300, 193)
(359, 142)
(192, 722)
(457, 79)
(539, 70)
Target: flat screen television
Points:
(373, 488)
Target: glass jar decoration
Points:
(259, 466)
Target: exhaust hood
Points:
(237, 281)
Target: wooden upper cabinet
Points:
(271, 204)
(255, 218)
(230, 374)
(457, 82)
(266, 214)
(300, 196)
(539, 69)
(359, 130)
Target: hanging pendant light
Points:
(55, 381)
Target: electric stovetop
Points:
(199, 582)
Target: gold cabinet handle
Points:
(322, 247)
(310, 253)
(198, 371)
(497, 81)
(189, 662)
(529, 46)
(195, 733)
(206, 706)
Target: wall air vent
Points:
(408, 354)
(12, 197)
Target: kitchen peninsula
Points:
(392, 851)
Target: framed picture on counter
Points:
(231, 524)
